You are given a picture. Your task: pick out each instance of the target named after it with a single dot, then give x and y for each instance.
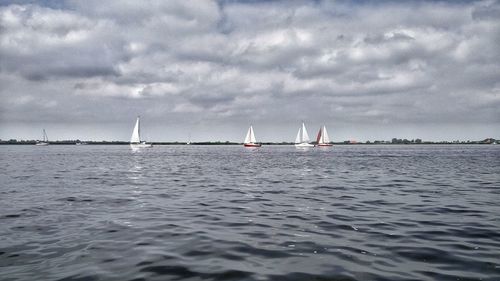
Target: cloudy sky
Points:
(365, 69)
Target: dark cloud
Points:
(365, 68)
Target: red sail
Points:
(319, 135)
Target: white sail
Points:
(305, 136)
(297, 139)
(324, 136)
(45, 139)
(136, 138)
(248, 138)
(252, 135)
(302, 139)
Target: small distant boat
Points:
(302, 139)
(189, 140)
(323, 139)
(250, 139)
(45, 140)
(81, 143)
(135, 140)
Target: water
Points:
(229, 213)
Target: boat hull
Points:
(252, 145)
(303, 145)
(42, 143)
(140, 145)
(325, 144)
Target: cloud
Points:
(39, 43)
(229, 63)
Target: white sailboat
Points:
(302, 139)
(135, 140)
(323, 139)
(45, 140)
(250, 139)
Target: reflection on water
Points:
(229, 213)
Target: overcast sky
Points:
(366, 69)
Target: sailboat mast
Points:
(139, 127)
(305, 136)
(302, 133)
(252, 135)
(247, 137)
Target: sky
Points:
(368, 70)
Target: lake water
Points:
(419, 212)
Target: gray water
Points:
(417, 212)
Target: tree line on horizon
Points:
(348, 142)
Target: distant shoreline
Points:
(483, 142)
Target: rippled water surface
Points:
(229, 213)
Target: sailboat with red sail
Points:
(323, 139)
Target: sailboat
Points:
(45, 140)
(302, 139)
(323, 139)
(250, 139)
(135, 140)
